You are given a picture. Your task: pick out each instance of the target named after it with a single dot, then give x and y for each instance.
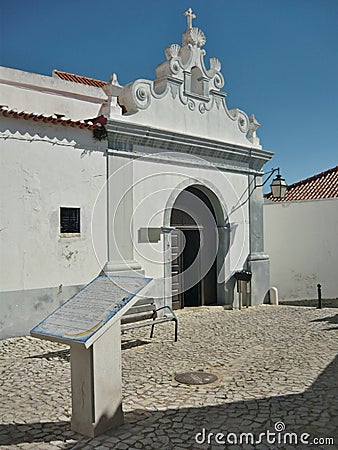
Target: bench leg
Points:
(176, 330)
(152, 331)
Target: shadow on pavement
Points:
(331, 320)
(315, 411)
(65, 354)
(326, 303)
(62, 354)
(13, 434)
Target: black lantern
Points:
(278, 187)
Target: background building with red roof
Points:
(322, 185)
(301, 237)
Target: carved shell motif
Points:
(172, 51)
(215, 64)
(197, 37)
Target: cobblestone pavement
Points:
(274, 364)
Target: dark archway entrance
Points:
(194, 245)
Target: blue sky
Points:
(279, 58)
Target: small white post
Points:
(273, 296)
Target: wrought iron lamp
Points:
(278, 185)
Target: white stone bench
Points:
(144, 313)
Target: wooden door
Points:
(176, 269)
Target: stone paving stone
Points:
(274, 364)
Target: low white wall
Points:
(302, 240)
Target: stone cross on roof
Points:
(189, 15)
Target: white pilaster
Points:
(120, 211)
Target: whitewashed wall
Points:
(45, 167)
(301, 239)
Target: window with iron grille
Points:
(69, 220)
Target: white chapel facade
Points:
(154, 177)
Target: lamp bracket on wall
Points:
(278, 185)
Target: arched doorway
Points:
(196, 217)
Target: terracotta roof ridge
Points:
(90, 124)
(77, 75)
(313, 177)
(75, 78)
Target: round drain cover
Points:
(195, 378)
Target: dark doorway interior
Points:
(204, 292)
(191, 296)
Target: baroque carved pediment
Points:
(185, 78)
